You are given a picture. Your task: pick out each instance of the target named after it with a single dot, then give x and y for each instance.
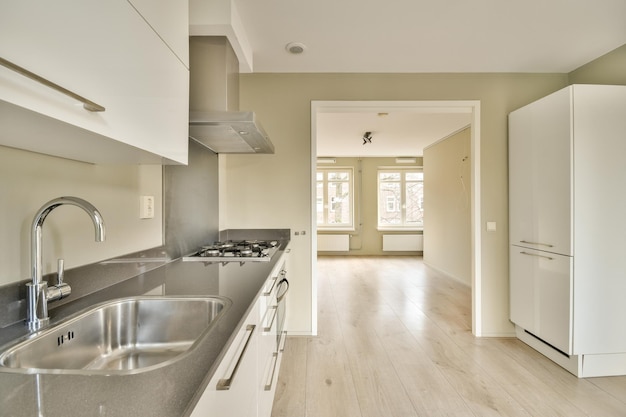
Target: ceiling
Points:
(395, 36)
(394, 131)
(431, 36)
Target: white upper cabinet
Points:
(109, 53)
(170, 19)
(540, 167)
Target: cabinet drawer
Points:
(541, 295)
(232, 390)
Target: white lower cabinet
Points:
(233, 389)
(541, 295)
(250, 367)
(271, 338)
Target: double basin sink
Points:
(128, 335)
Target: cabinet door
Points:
(233, 389)
(541, 295)
(170, 19)
(540, 174)
(106, 52)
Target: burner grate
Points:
(248, 249)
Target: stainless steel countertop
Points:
(168, 391)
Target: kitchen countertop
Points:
(167, 391)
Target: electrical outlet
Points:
(146, 209)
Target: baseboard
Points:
(499, 334)
(447, 274)
(300, 334)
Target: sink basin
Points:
(120, 336)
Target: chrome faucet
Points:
(38, 293)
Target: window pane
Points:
(320, 202)
(414, 176)
(414, 203)
(334, 198)
(339, 203)
(389, 176)
(338, 176)
(389, 214)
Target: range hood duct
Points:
(214, 118)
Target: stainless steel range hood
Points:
(215, 120)
(229, 132)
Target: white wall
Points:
(447, 206)
(29, 180)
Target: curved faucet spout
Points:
(37, 303)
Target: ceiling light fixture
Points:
(295, 48)
(367, 138)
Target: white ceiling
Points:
(394, 36)
(394, 131)
(431, 35)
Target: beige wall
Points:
(447, 206)
(608, 69)
(366, 239)
(29, 180)
(283, 103)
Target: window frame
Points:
(327, 204)
(400, 205)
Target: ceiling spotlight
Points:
(295, 48)
(367, 138)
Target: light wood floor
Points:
(395, 340)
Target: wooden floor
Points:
(395, 340)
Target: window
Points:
(400, 199)
(334, 198)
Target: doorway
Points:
(471, 108)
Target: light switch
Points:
(146, 209)
(491, 226)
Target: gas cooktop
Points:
(241, 251)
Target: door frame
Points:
(470, 106)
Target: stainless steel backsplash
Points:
(190, 202)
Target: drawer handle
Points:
(537, 243)
(274, 281)
(269, 328)
(224, 384)
(283, 341)
(268, 387)
(535, 254)
(87, 104)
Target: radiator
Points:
(403, 243)
(333, 243)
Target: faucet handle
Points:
(60, 271)
(61, 290)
